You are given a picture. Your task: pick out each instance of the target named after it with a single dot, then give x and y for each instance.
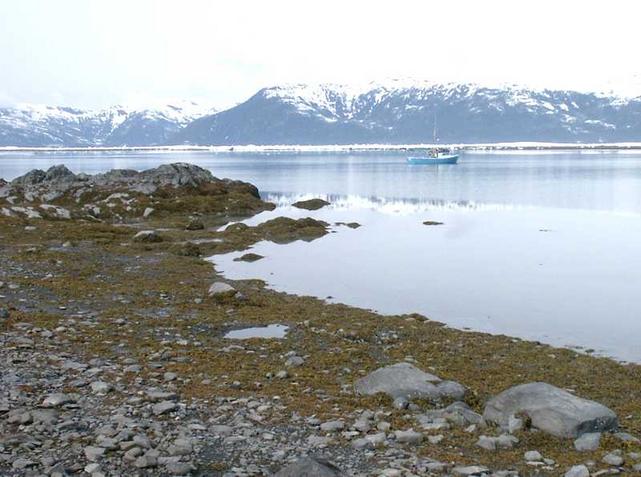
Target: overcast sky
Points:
(92, 53)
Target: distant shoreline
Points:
(502, 146)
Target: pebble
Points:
(578, 471)
(294, 361)
(588, 442)
(377, 439)
(613, 459)
(408, 437)
(533, 456)
(487, 443)
(332, 426)
(170, 376)
(469, 470)
(220, 290)
(146, 461)
(362, 443)
(179, 468)
(94, 454)
(57, 399)
(101, 387)
(164, 407)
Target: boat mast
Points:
(434, 131)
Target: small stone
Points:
(179, 468)
(332, 426)
(294, 361)
(170, 376)
(142, 440)
(383, 426)
(392, 472)
(164, 407)
(195, 223)
(157, 395)
(506, 441)
(309, 466)
(91, 468)
(362, 425)
(148, 236)
(146, 461)
(180, 447)
(435, 439)
(487, 443)
(282, 374)
(20, 463)
(626, 437)
(408, 437)
(377, 439)
(132, 454)
(101, 387)
(613, 459)
(318, 441)
(362, 443)
(57, 400)
(221, 430)
(94, 454)
(469, 470)
(533, 456)
(221, 290)
(578, 471)
(588, 442)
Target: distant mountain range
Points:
(397, 112)
(37, 125)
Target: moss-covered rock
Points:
(311, 204)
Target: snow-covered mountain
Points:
(37, 125)
(395, 112)
(404, 112)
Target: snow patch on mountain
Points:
(42, 125)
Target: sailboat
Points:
(436, 155)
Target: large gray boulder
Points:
(403, 380)
(177, 174)
(551, 410)
(309, 467)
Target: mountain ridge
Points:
(394, 112)
(404, 113)
(43, 125)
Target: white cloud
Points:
(97, 53)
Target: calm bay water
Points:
(544, 246)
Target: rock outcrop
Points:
(311, 204)
(122, 194)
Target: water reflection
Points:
(565, 277)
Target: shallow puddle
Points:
(269, 331)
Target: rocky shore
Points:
(115, 361)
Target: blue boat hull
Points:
(426, 160)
